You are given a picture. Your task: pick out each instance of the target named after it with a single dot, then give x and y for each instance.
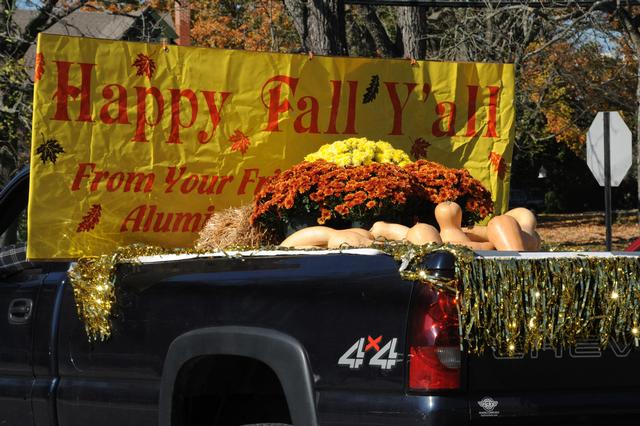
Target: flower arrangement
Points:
(332, 195)
(445, 184)
(358, 180)
(359, 152)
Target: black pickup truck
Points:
(278, 338)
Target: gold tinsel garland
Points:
(93, 282)
(514, 305)
(507, 304)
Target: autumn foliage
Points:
(261, 25)
(568, 85)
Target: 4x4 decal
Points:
(384, 357)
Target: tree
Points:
(261, 25)
(320, 25)
(16, 85)
(629, 19)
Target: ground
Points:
(586, 231)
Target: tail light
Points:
(434, 341)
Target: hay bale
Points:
(231, 228)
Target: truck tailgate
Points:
(579, 382)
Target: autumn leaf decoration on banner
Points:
(146, 65)
(239, 141)
(48, 150)
(419, 148)
(498, 164)
(372, 91)
(91, 219)
(39, 67)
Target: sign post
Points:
(608, 156)
(607, 178)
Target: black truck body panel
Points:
(296, 313)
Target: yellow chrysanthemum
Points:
(359, 151)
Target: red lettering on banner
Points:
(247, 178)
(141, 120)
(135, 216)
(252, 176)
(493, 112)
(64, 90)
(121, 101)
(351, 109)
(204, 184)
(141, 217)
(214, 113)
(132, 181)
(97, 178)
(81, 174)
(398, 107)
(176, 123)
(115, 181)
(172, 178)
(471, 110)
(313, 115)
(262, 180)
(446, 118)
(276, 105)
(335, 106)
(207, 184)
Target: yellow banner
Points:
(137, 142)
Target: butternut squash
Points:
(362, 232)
(421, 234)
(505, 233)
(528, 223)
(346, 237)
(525, 218)
(449, 218)
(316, 236)
(476, 233)
(389, 231)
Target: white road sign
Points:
(620, 148)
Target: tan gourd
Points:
(449, 217)
(389, 231)
(476, 233)
(362, 232)
(525, 218)
(421, 233)
(528, 223)
(505, 232)
(340, 239)
(315, 236)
